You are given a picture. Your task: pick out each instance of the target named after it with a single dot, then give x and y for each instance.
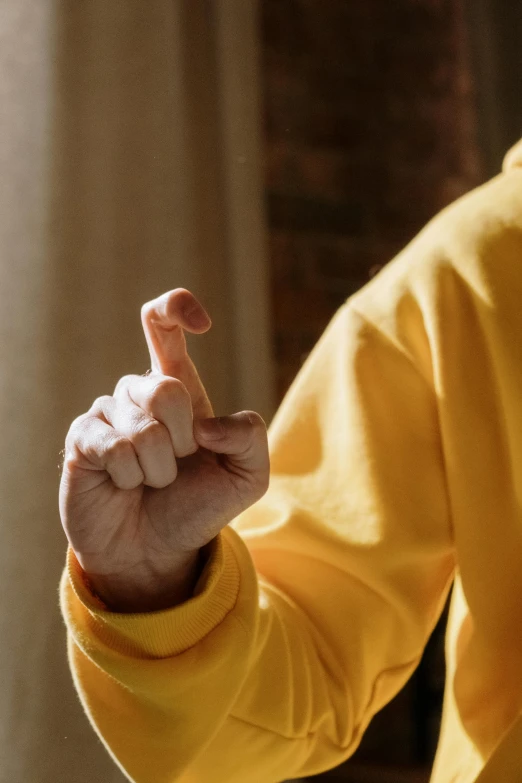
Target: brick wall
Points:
(370, 131)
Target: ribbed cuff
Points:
(160, 634)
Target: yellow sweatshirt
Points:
(396, 469)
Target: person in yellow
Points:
(223, 632)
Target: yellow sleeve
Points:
(315, 605)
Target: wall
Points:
(370, 130)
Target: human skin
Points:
(150, 476)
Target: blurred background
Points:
(270, 155)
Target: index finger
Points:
(165, 320)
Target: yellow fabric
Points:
(396, 464)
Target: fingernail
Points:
(196, 317)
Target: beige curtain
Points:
(130, 164)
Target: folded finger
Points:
(104, 449)
(149, 438)
(166, 400)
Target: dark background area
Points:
(370, 131)
(378, 114)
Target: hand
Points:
(150, 476)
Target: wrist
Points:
(144, 590)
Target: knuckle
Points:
(166, 391)
(79, 423)
(101, 404)
(136, 419)
(78, 428)
(148, 432)
(118, 449)
(124, 383)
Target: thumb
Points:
(242, 439)
(165, 321)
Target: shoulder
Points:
(469, 257)
(479, 233)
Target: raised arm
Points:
(312, 609)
